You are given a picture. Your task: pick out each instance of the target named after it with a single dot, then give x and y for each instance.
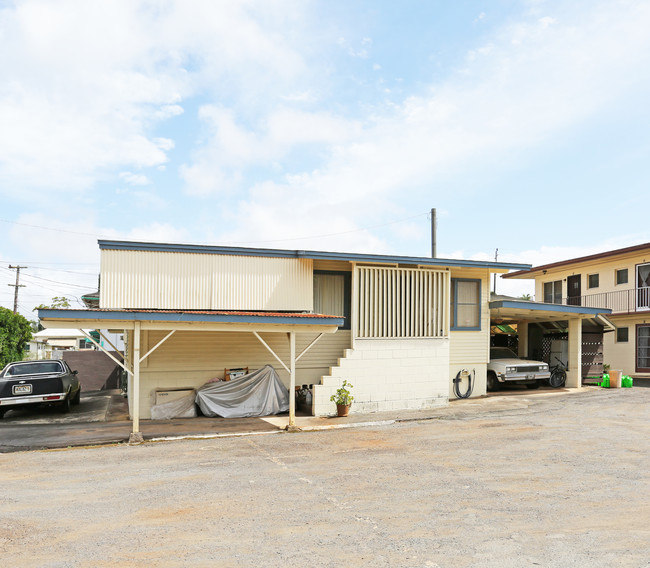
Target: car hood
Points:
(512, 362)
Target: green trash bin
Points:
(627, 382)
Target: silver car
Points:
(506, 367)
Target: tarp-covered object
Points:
(260, 393)
(182, 407)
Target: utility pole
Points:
(494, 276)
(434, 244)
(16, 285)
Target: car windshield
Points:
(38, 367)
(502, 353)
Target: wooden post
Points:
(292, 381)
(136, 435)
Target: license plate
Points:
(22, 389)
(530, 376)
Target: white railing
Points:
(621, 301)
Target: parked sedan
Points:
(506, 367)
(29, 383)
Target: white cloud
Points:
(135, 179)
(88, 80)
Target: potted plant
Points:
(343, 399)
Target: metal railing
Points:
(621, 301)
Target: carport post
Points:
(292, 381)
(136, 435)
(522, 331)
(574, 374)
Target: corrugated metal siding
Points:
(402, 302)
(163, 280)
(190, 359)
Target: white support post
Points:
(522, 332)
(272, 352)
(354, 311)
(292, 382)
(157, 345)
(309, 347)
(136, 435)
(574, 374)
(107, 340)
(89, 337)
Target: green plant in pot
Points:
(343, 399)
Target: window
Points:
(332, 294)
(553, 292)
(592, 281)
(465, 304)
(621, 276)
(622, 334)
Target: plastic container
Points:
(627, 382)
(605, 381)
(615, 376)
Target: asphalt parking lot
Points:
(557, 481)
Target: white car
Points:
(506, 367)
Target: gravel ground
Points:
(564, 482)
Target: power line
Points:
(232, 242)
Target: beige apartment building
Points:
(618, 280)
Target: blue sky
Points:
(319, 125)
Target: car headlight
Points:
(511, 369)
(543, 368)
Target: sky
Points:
(321, 125)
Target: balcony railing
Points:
(621, 301)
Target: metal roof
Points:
(527, 273)
(538, 306)
(192, 316)
(315, 255)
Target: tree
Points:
(525, 297)
(58, 302)
(15, 332)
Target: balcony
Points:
(620, 302)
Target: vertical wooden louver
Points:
(401, 302)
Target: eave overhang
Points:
(206, 320)
(313, 255)
(521, 310)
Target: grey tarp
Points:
(259, 393)
(180, 408)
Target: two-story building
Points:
(401, 329)
(618, 280)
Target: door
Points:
(643, 287)
(643, 348)
(573, 292)
(592, 354)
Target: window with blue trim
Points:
(465, 304)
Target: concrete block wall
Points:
(388, 374)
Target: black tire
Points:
(76, 399)
(532, 386)
(64, 407)
(3, 411)
(557, 380)
(493, 384)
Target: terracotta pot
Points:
(342, 409)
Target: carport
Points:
(523, 312)
(134, 322)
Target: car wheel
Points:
(64, 407)
(492, 382)
(76, 399)
(557, 380)
(532, 386)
